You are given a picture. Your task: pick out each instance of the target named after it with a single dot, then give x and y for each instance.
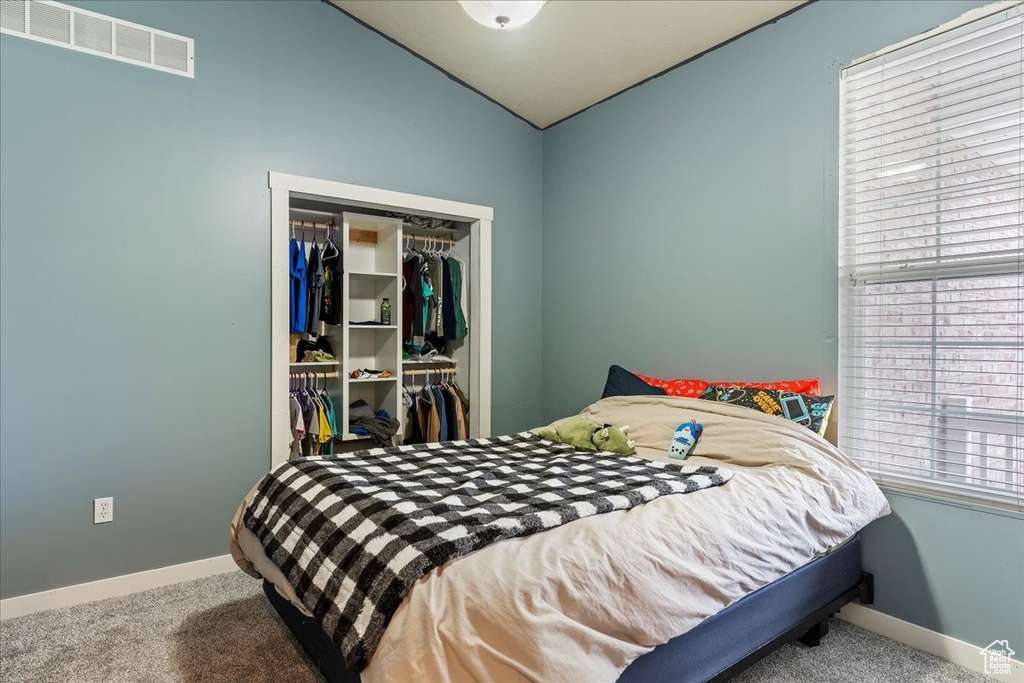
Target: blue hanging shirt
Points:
(297, 294)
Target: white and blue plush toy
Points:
(685, 438)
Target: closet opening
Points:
(385, 300)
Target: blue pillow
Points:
(622, 382)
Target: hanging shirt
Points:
(442, 416)
(435, 300)
(462, 399)
(297, 276)
(458, 298)
(429, 419)
(408, 302)
(327, 448)
(311, 415)
(297, 425)
(460, 417)
(315, 283)
(326, 433)
(422, 291)
(448, 299)
(330, 301)
(413, 433)
(449, 411)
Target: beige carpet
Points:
(223, 630)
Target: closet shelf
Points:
(355, 437)
(373, 379)
(314, 364)
(373, 327)
(365, 273)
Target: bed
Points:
(682, 587)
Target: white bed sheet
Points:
(580, 602)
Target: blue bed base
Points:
(797, 605)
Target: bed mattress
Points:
(585, 600)
(716, 644)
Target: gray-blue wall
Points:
(135, 262)
(690, 229)
(134, 265)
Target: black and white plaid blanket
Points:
(352, 532)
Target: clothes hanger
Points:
(329, 240)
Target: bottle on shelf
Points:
(385, 311)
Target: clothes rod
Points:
(313, 375)
(435, 371)
(427, 238)
(310, 225)
(354, 235)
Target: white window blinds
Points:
(931, 244)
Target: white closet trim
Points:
(282, 187)
(360, 195)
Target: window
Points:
(931, 248)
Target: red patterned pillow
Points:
(692, 388)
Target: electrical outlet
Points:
(102, 510)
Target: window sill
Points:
(954, 499)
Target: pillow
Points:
(622, 382)
(810, 411)
(693, 388)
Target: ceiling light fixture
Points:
(502, 13)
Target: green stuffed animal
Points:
(614, 440)
(580, 432)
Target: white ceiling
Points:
(574, 54)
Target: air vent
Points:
(94, 33)
(58, 24)
(12, 17)
(50, 21)
(134, 43)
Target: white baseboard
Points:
(114, 586)
(948, 648)
(926, 640)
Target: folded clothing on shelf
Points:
(365, 373)
(318, 356)
(379, 425)
(426, 352)
(314, 343)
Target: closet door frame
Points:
(282, 187)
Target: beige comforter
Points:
(582, 601)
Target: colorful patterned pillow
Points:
(810, 411)
(693, 388)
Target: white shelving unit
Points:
(373, 266)
(371, 246)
